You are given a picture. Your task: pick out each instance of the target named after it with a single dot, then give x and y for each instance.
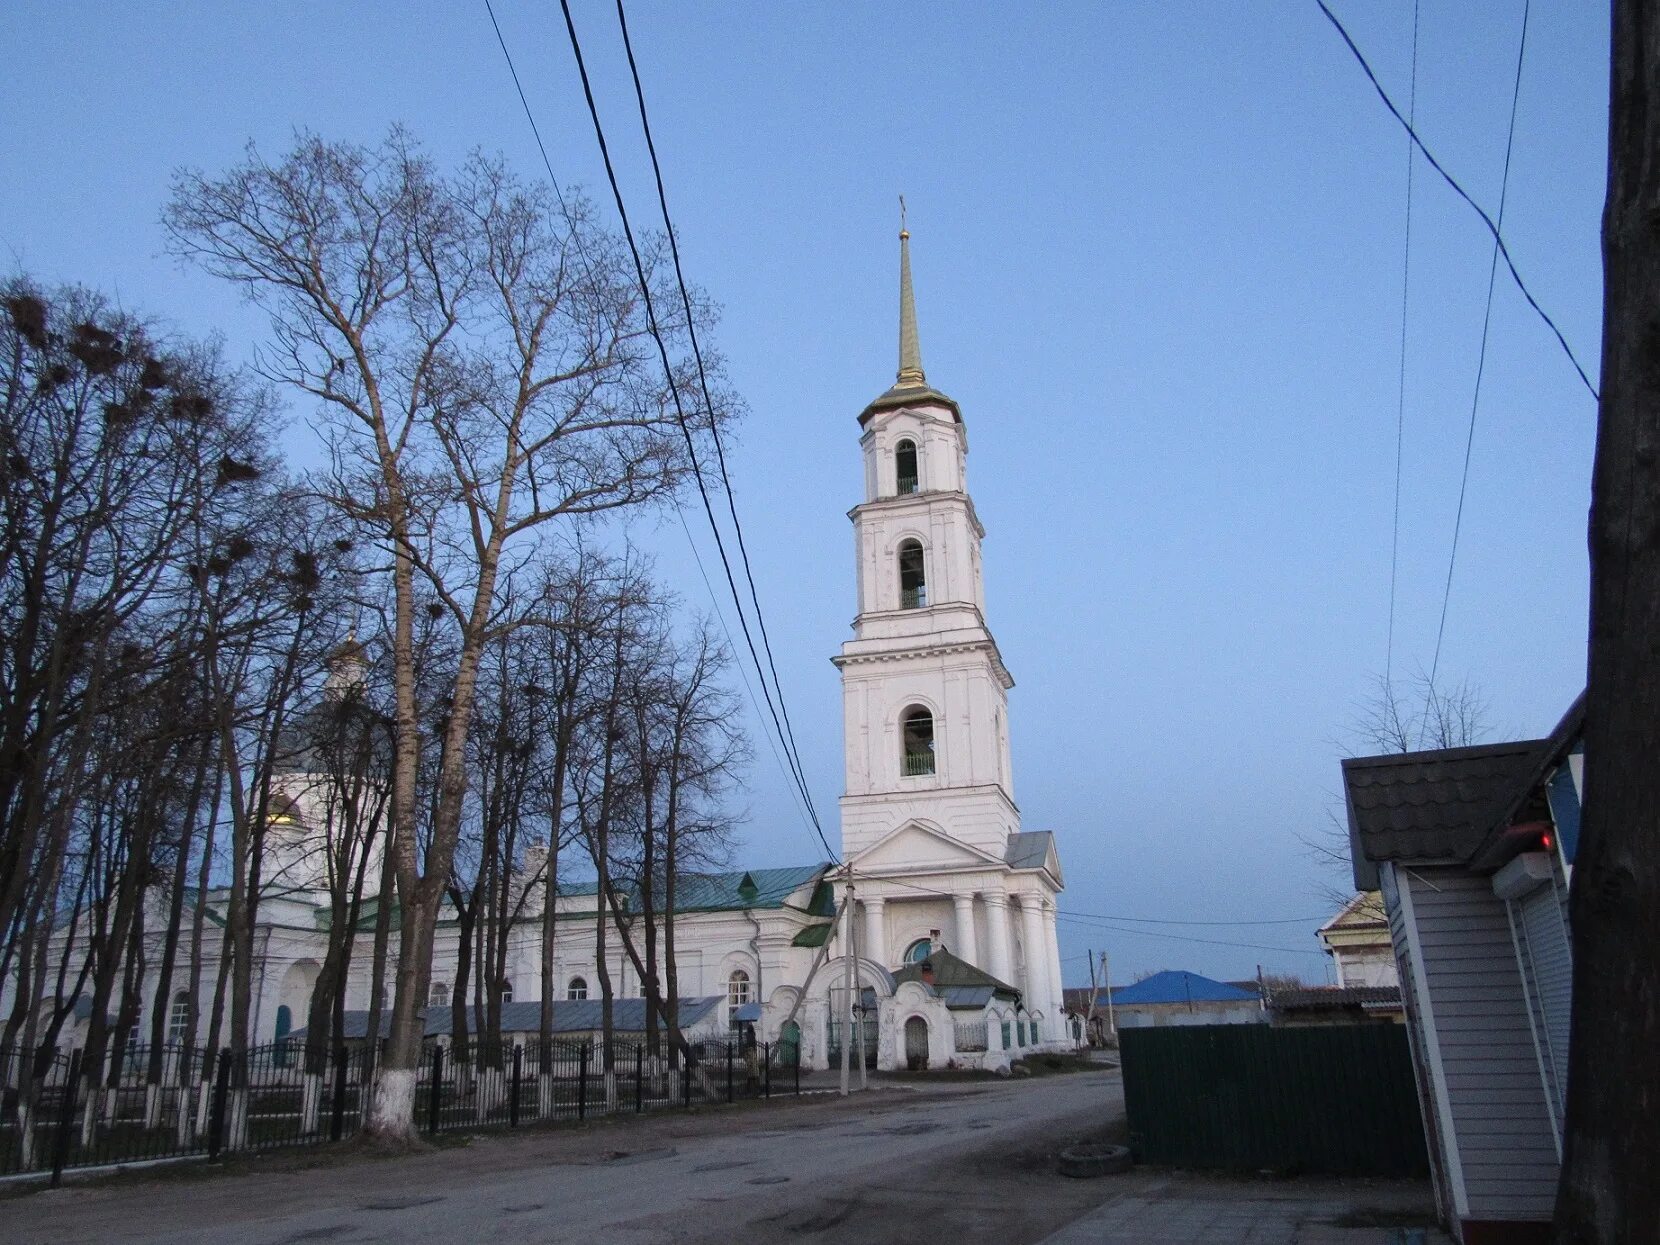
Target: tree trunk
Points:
(1608, 1192)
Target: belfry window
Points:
(913, 582)
(904, 461)
(918, 734)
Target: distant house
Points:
(1175, 997)
(1472, 849)
(1357, 939)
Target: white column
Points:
(1036, 947)
(1056, 982)
(965, 948)
(876, 935)
(997, 927)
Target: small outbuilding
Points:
(1177, 997)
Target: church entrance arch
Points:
(916, 1044)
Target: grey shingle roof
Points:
(1430, 807)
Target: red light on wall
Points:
(1546, 842)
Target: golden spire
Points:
(910, 352)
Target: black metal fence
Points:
(1338, 1099)
(57, 1115)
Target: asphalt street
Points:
(953, 1162)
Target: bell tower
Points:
(930, 831)
(925, 691)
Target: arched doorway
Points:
(916, 1044)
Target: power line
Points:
(553, 180)
(1214, 942)
(1486, 220)
(1400, 399)
(702, 376)
(680, 415)
(1107, 916)
(1481, 367)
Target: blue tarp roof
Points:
(1179, 986)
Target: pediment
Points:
(917, 845)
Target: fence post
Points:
(437, 1088)
(337, 1121)
(582, 1084)
(798, 1065)
(639, 1068)
(766, 1075)
(66, 1125)
(729, 1071)
(513, 1104)
(686, 1079)
(216, 1114)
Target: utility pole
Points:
(1112, 1027)
(1094, 997)
(845, 1021)
(1612, 1127)
(859, 1010)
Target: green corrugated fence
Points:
(1337, 1099)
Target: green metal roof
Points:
(732, 892)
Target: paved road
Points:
(949, 1163)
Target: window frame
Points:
(899, 476)
(911, 763)
(576, 989)
(915, 597)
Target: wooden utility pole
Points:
(1608, 1191)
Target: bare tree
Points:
(477, 353)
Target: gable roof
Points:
(960, 983)
(1430, 807)
(1180, 986)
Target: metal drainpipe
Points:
(755, 947)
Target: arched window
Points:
(913, 580)
(737, 994)
(439, 996)
(919, 742)
(904, 461)
(577, 990)
(506, 991)
(919, 951)
(178, 1018)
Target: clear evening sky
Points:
(1158, 258)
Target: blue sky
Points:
(1158, 257)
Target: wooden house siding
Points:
(1494, 1115)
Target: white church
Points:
(952, 923)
